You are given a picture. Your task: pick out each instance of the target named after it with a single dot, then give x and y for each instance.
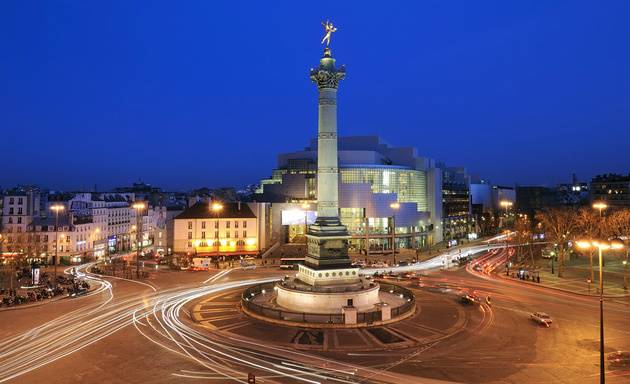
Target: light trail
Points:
(157, 317)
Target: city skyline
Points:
(395, 193)
(187, 97)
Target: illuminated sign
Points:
(296, 217)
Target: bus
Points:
(291, 262)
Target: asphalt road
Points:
(137, 333)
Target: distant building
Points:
(457, 216)
(532, 199)
(372, 176)
(237, 229)
(91, 225)
(611, 188)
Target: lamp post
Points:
(506, 204)
(94, 238)
(625, 272)
(56, 208)
(2, 240)
(139, 207)
(216, 209)
(600, 205)
(601, 246)
(394, 207)
(305, 208)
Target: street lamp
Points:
(2, 240)
(305, 208)
(625, 272)
(139, 207)
(601, 246)
(216, 208)
(395, 207)
(94, 238)
(600, 205)
(507, 204)
(56, 208)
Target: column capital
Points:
(326, 75)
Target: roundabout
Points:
(432, 318)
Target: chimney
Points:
(239, 205)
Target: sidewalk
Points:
(574, 279)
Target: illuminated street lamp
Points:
(601, 246)
(2, 240)
(94, 238)
(216, 208)
(600, 206)
(56, 208)
(139, 207)
(395, 207)
(507, 204)
(625, 272)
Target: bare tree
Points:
(590, 226)
(559, 225)
(523, 237)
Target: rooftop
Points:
(202, 210)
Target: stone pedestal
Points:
(350, 315)
(386, 311)
(299, 297)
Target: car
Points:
(469, 299)
(541, 318)
(379, 265)
(410, 276)
(619, 359)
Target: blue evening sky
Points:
(205, 93)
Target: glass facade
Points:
(410, 185)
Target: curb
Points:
(33, 305)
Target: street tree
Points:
(559, 226)
(589, 226)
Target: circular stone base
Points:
(295, 296)
(362, 304)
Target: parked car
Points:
(541, 318)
